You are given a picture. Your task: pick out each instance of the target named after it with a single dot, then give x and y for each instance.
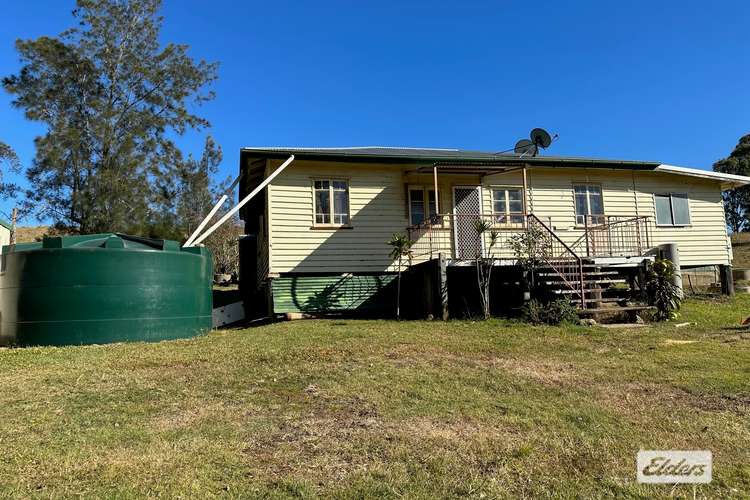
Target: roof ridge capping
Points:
(349, 148)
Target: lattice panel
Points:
(262, 255)
(467, 209)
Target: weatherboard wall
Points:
(703, 242)
(4, 236)
(378, 207)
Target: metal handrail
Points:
(574, 268)
(616, 235)
(551, 232)
(603, 235)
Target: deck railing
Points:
(614, 236)
(455, 236)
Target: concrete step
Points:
(587, 290)
(603, 299)
(575, 275)
(596, 310)
(599, 281)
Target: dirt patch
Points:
(545, 372)
(338, 446)
(183, 418)
(635, 397)
(337, 436)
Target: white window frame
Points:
(588, 202)
(671, 210)
(508, 213)
(426, 190)
(331, 180)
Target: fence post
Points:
(727, 281)
(443, 286)
(583, 283)
(429, 238)
(638, 235)
(13, 227)
(586, 234)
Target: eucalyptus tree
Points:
(737, 201)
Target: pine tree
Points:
(111, 98)
(9, 163)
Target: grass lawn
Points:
(378, 408)
(741, 250)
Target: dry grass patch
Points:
(546, 372)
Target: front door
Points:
(467, 210)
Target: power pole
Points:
(13, 219)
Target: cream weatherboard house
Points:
(319, 232)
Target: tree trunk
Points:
(483, 282)
(398, 291)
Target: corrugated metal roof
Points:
(429, 155)
(464, 160)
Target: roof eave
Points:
(727, 181)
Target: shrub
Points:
(662, 292)
(225, 247)
(531, 248)
(557, 312)
(533, 312)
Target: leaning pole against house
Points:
(203, 223)
(213, 211)
(197, 241)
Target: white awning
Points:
(728, 181)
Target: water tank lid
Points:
(103, 240)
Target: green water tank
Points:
(102, 288)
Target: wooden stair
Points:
(567, 274)
(600, 286)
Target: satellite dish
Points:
(525, 147)
(541, 138)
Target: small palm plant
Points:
(662, 292)
(484, 264)
(401, 248)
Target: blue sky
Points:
(664, 81)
